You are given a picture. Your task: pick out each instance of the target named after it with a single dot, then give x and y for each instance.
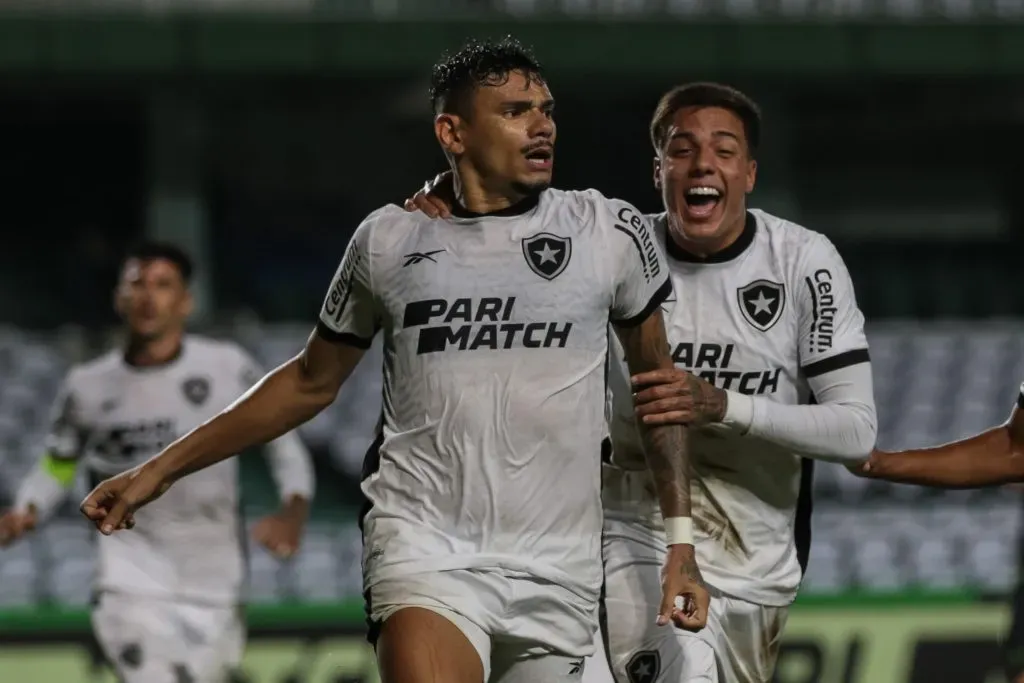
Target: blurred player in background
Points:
(482, 533)
(168, 593)
(771, 363)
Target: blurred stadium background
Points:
(258, 134)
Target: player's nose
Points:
(542, 127)
(702, 162)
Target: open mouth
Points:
(540, 158)
(702, 200)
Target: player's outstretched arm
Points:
(45, 487)
(994, 457)
(668, 457)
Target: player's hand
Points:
(281, 532)
(16, 523)
(435, 198)
(684, 597)
(672, 396)
(111, 506)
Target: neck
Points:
(151, 352)
(707, 247)
(475, 196)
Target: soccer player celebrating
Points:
(996, 456)
(482, 526)
(771, 366)
(168, 593)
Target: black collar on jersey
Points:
(519, 208)
(126, 357)
(728, 254)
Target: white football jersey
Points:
(112, 416)
(495, 348)
(758, 318)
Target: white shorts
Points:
(525, 630)
(740, 643)
(150, 640)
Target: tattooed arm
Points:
(666, 446)
(668, 458)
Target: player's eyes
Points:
(726, 153)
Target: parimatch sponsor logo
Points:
(711, 363)
(131, 441)
(470, 324)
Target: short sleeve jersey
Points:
(759, 318)
(111, 416)
(495, 346)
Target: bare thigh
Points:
(418, 645)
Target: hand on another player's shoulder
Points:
(16, 523)
(435, 197)
(673, 396)
(112, 504)
(685, 599)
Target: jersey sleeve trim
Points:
(837, 362)
(657, 300)
(346, 338)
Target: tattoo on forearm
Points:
(690, 570)
(666, 446)
(708, 400)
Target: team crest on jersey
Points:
(644, 667)
(761, 303)
(196, 390)
(547, 254)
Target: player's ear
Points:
(120, 298)
(751, 175)
(188, 304)
(657, 172)
(448, 130)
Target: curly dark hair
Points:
(477, 63)
(707, 95)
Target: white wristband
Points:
(679, 531)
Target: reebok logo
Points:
(419, 256)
